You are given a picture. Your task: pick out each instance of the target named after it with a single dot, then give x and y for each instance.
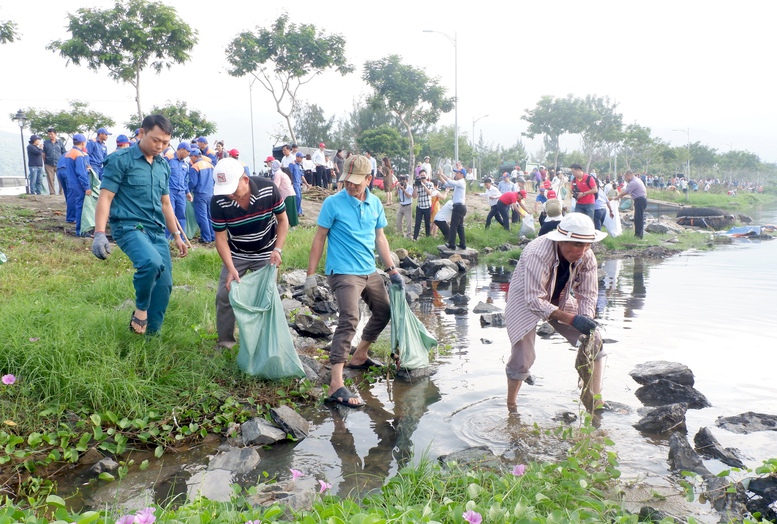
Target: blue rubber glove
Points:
(584, 324)
(397, 279)
(101, 248)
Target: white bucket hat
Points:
(576, 227)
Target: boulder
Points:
(309, 373)
(259, 432)
(455, 258)
(235, 460)
(545, 329)
(394, 258)
(708, 446)
(431, 267)
(311, 362)
(105, 465)
(485, 307)
(682, 457)
(765, 487)
(463, 266)
(654, 370)
(92, 456)
(507, 247)
(664, 227)
(401, 253)
(476, 458)
(749, 422)
(492, 319)
(663, 419)
(414, 287)
(409, 263)
(304, 343)
(297, 496)
(324, 307)
(648, 514)
(415, 274)
(411, 296)
(290, 304)
(459, 299)
(468, 254)
(445, 273)
(456, 311)
(294, 278)
(290, 421)
(745, 219)
(662, 392)
(311, 326)
(488, 250)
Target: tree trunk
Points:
(291, 128)
(137, 95)
(411, 172)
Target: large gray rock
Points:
(456, 310)
(291, 422)
(294, 278)
(312, 327)
(663, 419)
(409, 263)
(290, 304)
(749, 422)
(324, 307)
(662, 392)
(682, 457)
(402, 253)
(445, 273)
(492, 319)
(708, 446)
(304, 343)
(431, 267)
(298, 495)
(468, 254)
(235, 460)
(673, 371)
(545, 329)
(485, 307)
(259, 432)
(664, 227)
(104, 466)
(477, 457)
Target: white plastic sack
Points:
(527, 226)
(613, 225)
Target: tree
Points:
(552, 118)
(407, 92)
(77, 119)
(439, 145)
(599, 125)
(9, 31)
(637, 144)
(310, 125)
(130, 37)
(187, 123)
(382, 141)
(297, 53)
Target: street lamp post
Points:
(251, 108)
(453, 41)
(474, 121)
(687, 161)
(21, 119)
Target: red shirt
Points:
(586, 183)
(509, 198)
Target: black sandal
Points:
(140, 322)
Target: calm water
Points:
(708, 310)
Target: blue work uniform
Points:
(137, 225)
(208, 152)
(97, 151)
(201, 188)
(179, 186)
(70, 215)
(296, 182)
(77, 183)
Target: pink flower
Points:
(8, 379)
(295, 474)
(257, 521)
(126, 519)
(324, 486)
(519, 470)
(473, 517)
(34, 339)
(145, 516)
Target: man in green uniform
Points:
(134, 194)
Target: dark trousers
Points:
(320, 174)
(443, 227)
(516, 217)
(426, 215)
(310, 177)
(503, 215)
(327, 178)
(494, 213)
(599, 216)
(457, 226)
(640, 203)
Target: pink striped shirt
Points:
(531, 287)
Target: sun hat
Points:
(576, 227)
(553, 208)
(226, 176)
(356, 169)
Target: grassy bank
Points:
(742, 202)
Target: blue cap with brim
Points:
(78, 137)
(185, 145)
(122, 139)
(103, 131)
(300, 154)
(202, 140)
(195, 151)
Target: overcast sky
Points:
(677, 65)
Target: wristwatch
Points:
(279, 250)
(390, 269)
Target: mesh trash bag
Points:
(266, 347)
(90, 204)
(409, 338)
(192, 229)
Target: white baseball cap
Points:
(226, 176)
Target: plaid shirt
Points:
(424, 195)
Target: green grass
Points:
(740, 202)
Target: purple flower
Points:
(519, 470)
(145, 516)
(473, 517)
(257, 521)
(34, 339)
(295, 474)
(324, 486)
(8, 379)
(126, 519)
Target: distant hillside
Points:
(11, 153)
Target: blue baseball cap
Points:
(195, 151)
(299, 154)
(122, 139)
(137, 132)
(184, 145)
(103, 131)
(202, 140)
(79, 137)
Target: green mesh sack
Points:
(266, 347)
(90, 204)
(192, 229)
(409, 338)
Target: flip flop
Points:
(369, 363)
(140, 322)
(342, 397)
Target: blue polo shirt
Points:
(351, 239)
(138, 186)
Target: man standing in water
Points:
(135, 195)
(352, 222)
(555, 280)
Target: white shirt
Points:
(374, 164)
(459, 190)
(444, 214)
(493, 195)
(426, 166)
(287, 160)
(318, 158)
(308, 165)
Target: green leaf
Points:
(96, 420)
(159, 451)
(55, 501)
(106, 476)
(144, 465)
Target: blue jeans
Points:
(36, 180)
(599, 216)
(153, 280)
(202, 212)
(586, 209)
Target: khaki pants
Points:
(405, 213)
(51, 176)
